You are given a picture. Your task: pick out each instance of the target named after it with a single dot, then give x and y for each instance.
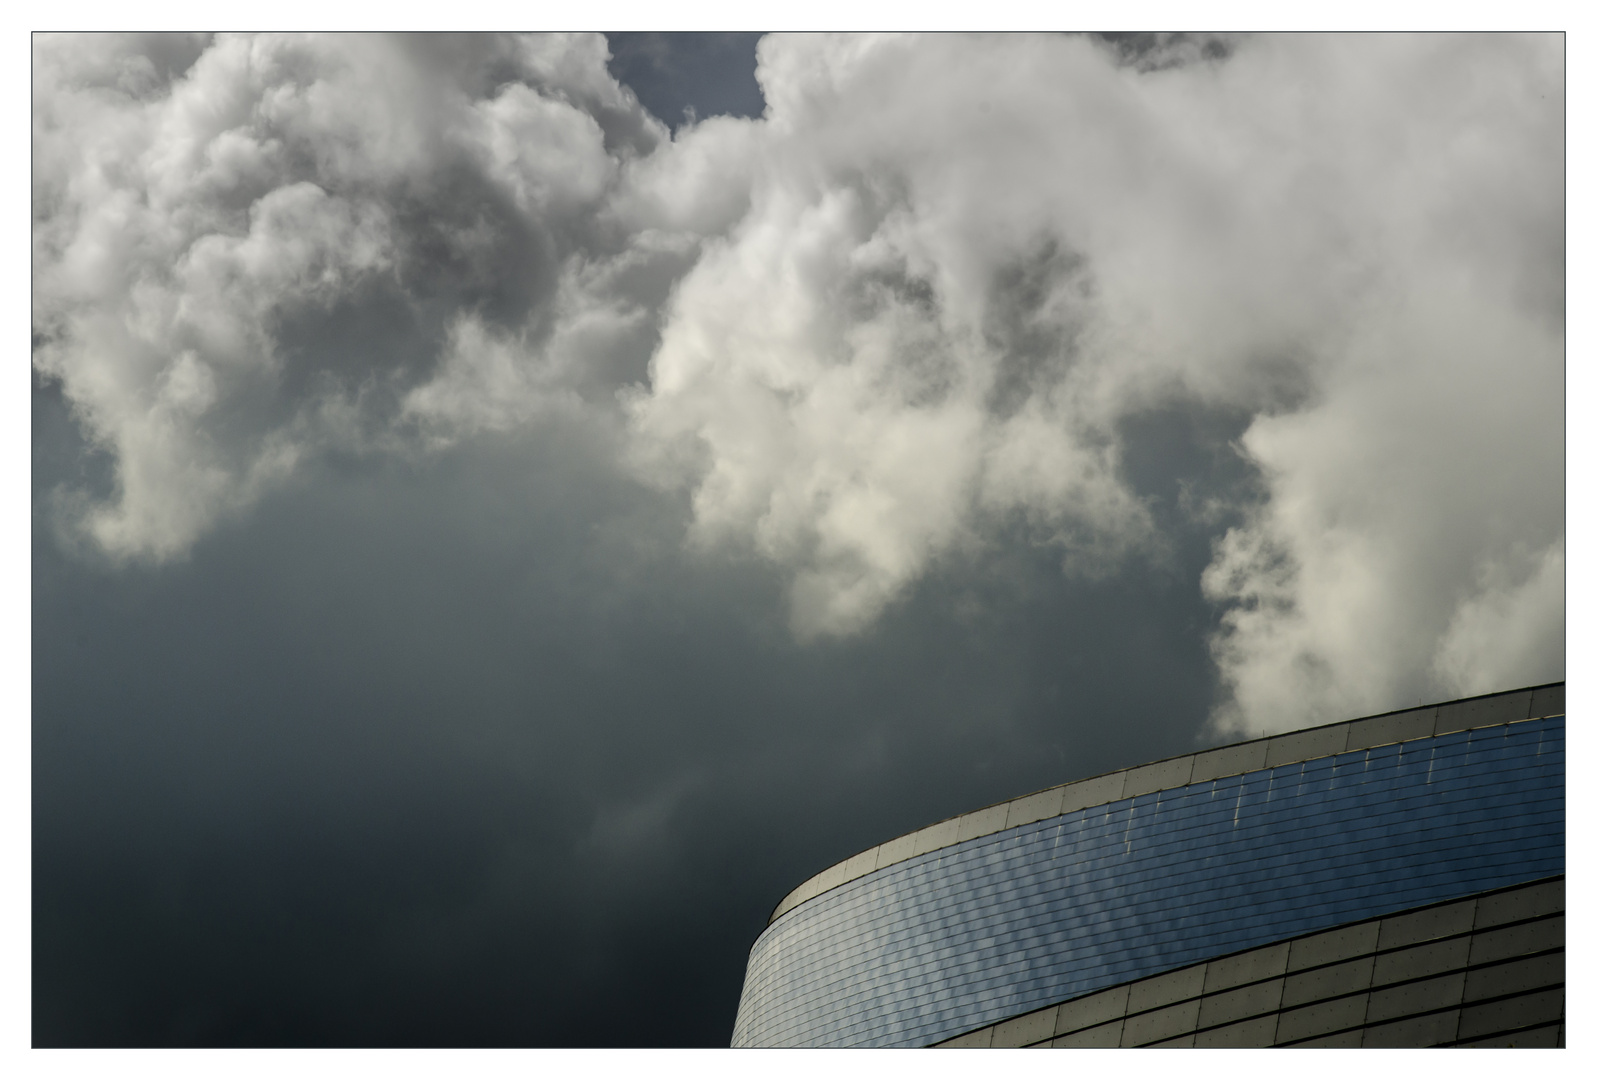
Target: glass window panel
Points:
(954, 939)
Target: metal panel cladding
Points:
(1004, 923)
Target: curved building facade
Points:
(1294, 859)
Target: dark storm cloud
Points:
(472, 753)
(489, 546)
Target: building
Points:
(1395, 880)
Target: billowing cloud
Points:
(912, 306)
(268, 246)
(950, 286)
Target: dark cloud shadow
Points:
(472, 752)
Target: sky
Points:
(506, 510)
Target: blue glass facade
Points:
(1001, 924)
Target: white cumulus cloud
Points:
(264, 246)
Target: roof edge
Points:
(1304, 744)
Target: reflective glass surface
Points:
(970, 934)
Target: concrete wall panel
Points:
(1158, 776)
(1165, 989)
(1541, 1038)
(1518, 904)
(1342, 1040)
(1420, 961)
(1094, 792)
(896, 850)
(1515, 977)
(1094, 1009)
(1426, 995)
(1179, 1042)
(1259, 1031)
(936, 836)
(860, 864)
(1319, 983)
(982, 822)
(980, 1039)
(1244, 1001)
(1246, 967)
(1160, 1024)
(1511, 941)
(1396, 727)
(1229, 760)
(1427, 925)
(1104, 1035)
(1547, 700)
(1524, 1011)
(1320, 1018)
(1044, 804)
(1338, 944)
(1478, 712)
(1024, 1030)
(1432, 1030)
(1303, 745)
